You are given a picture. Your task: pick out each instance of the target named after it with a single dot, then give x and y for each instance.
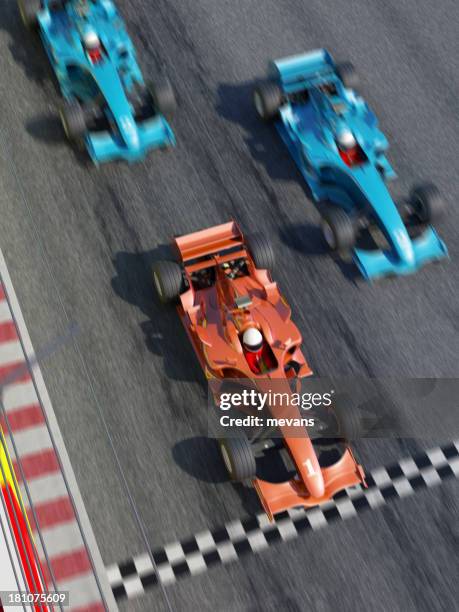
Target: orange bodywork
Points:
(216, 316)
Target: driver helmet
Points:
(91, 40)
(252, 340)
(346, 139)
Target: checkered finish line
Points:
(254, 534)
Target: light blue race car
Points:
(108, 105)
(334, 138)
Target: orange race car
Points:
(240, 327)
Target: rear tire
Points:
(427, 203)
(73, 121)
(338, 229)
(168, 280)
(29, 10)
(163, 96)
(348, 75)
(267, 98)
(262, 251)
(238, 458)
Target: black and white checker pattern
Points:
(254, 534)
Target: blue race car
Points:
(108, 105)
(334, 138)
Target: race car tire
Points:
(267, 98)
(262, 251)
(427, 203)
(73, 120)
(348, 75)
(338, 229)
(349, 422)
(168, 280)
(163, 96)
(238, 458)
(29, 10)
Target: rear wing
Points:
(299, 72)
(213, 241)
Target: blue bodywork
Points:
(111, 81)
(309, 121)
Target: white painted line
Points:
(374, 498)
(32, 440)
(235, 530)
(346, 508)
(19, 395)
(431, 476)
(205, 541)
(10, 353)
(257, 540)
(114, 574)
(47, 488)
(403, 487)
(381, 477)
(175, 552)
(143, 564)
(264, 522)
(57, 538)
(437, 457)
(454, 465)
(80, 594)
(166, 573)
(5, 314)
(287, 530)
(409, 467)
(196, 563)
(133, 586)
(316, 518)
(227, 552)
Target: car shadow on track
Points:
(200, 458)
(25, 46)
(163, 332)
(265, 147)
(28, 53)
(234, 103)
(307, 239)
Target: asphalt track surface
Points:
(79, 240)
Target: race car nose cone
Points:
(130, 132)
(405, 246)
(315, 485)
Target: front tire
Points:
(427, 203)
(163, 96)
(348, 75)
(29, 10)
(168, 280)
(238, 458)
(73, 121)
(267, 98)
(338, 229)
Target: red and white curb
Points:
(195, 555)
(62, 532)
